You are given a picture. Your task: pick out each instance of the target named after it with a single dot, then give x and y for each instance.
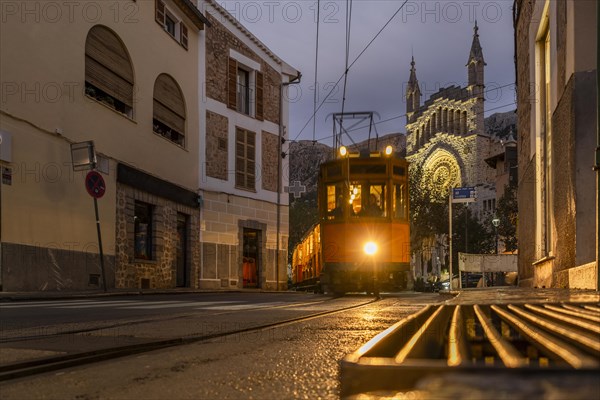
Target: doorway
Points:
(251, 258)
(181, 250)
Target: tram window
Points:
(335, 202)
(355, 197)
(376, 205)
(400, 201)
(368, 200)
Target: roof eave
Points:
(192, 12)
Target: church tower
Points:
(476, 86)
(413, 93)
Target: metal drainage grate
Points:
(524, 339)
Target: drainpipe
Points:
(295, 80)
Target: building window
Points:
(108, 70)
(143, 228)
(171, 24)
(543, 147)
(245, 90)
(245, 156)
(168, 117)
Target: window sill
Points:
(170, 141)
(543, 260)
(144, 261)
(111, 109)
(246, 189)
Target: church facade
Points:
(446, 138)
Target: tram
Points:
(361, 242)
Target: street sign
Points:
(464, 195)
(94, 184)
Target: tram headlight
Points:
(370, 248)
(343, 151)
(388, 150)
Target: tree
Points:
(507, 212)
(469, 235)
(428, 217)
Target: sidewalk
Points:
(18, 296)
(510, 294)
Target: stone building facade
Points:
(142, 113)
(446, 138)
(244, 228)
(557, 113)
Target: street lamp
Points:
(496, 223)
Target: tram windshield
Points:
(361, 199)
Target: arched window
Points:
(108, 70)
(168, 118)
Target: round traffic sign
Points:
(94, 184)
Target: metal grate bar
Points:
(573, 313)
(553, 345)
(564, 318)
(421, 343)
(581, 310)
(591, 343)
(592, 308)
(458, 352)
(509, 355)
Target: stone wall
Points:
(270, 156)
(224, 216)
(160, 272)
(217, 144)
(563, 168)
(218, 42)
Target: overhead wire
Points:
(316, 91)
(350, 66)
(348, 29)
(323, 139)
(354, 128)
(462, 98)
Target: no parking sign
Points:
(94, 184)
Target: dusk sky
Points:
(437, 33)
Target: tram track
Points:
(55, 363)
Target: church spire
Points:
(413, 92)
(476, 54)
(476, 62)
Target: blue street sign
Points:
(464, 195)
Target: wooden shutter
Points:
(232, 84)
(107, 64)
(240, 158)
(245, 159)
(259, 96)
(184, 35)
(160, 13)
(169, 106)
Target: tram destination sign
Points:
(464, 195)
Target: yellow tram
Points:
(361, 242)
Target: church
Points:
(446, 138)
